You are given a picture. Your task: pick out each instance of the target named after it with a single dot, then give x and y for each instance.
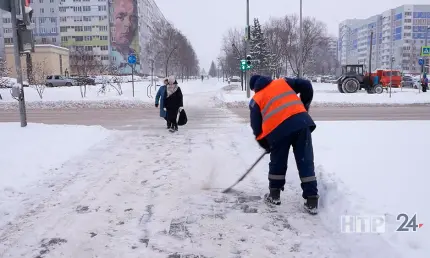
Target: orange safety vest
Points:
(277, 102)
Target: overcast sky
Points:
(205, 21)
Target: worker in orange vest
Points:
(279, 120)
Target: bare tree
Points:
(169, 50)
(82, 64)
(37, 78)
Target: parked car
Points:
(407, 82)
(235, 79)
(59, 80)
(7, 82)
(83, 80)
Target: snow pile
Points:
(34, 154)
(326, 94)
(364, 169)
(70, 97)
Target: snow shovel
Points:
(246, 173)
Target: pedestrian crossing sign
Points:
(425, 51)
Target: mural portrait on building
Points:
(125, 34)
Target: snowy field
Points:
(326, 94)
(70, 97)
(147, 194)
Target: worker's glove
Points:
(156, 105)
(264, 144)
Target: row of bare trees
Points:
(170, 52)
(275, 48)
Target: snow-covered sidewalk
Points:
(326, 94)
(32, 159)
(151, 194)
(70, 97)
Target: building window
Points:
(103, 28)
(77, 18)
(103, 37)
(62, 9)
(88, 38)
(63, 29)
(42, 10)
(87, 28)
(77, 9)
(86, 8)
(53, 19)
(105, 58)
(54, 30)
(104, 48)
(6, 20)
(52, 10)
(7, 30)
(8, 40)
(41, 1)
(44, 41)
(78, 28)
(64, 39)
(88, 48)
(102, 8)
(54, 40)
(79, 38)
(87, 18)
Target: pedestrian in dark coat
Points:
(159, 101)
(173, 102)
(279, 120)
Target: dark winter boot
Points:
(311, 204)
(273, 197)
(169, 125)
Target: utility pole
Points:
(248, 32)
(427, 58)
(20, 94)
(300, 74)
(391, 74)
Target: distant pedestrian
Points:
(425, 83)
(159, 101)
(173, 103)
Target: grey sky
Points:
(205, 21)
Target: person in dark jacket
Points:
(173, 102)
(159, 101)
(279, 120)
(425, 82)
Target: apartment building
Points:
(332, 46)
(398, 33)
(110, 29)
(85, 24)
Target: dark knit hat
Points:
(252, 81)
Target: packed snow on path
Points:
(154, 194)
(32, 158)
(70, 97)
(326, 94)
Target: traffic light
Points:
(248, 60)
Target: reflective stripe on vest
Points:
(277, 101)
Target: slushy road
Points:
(141, 118)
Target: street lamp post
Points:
(248, 91)
(300, 74)
(427, 35)
(241, 72)
(391, 73)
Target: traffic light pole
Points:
(248, 90)
(21, 99)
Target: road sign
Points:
(132, 59)
(421, 61)
(425, 51)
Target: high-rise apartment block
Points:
(398, 33)
(110, 29)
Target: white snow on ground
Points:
(32, 155)
(326, 94)
(70, 97)
(151, 194)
